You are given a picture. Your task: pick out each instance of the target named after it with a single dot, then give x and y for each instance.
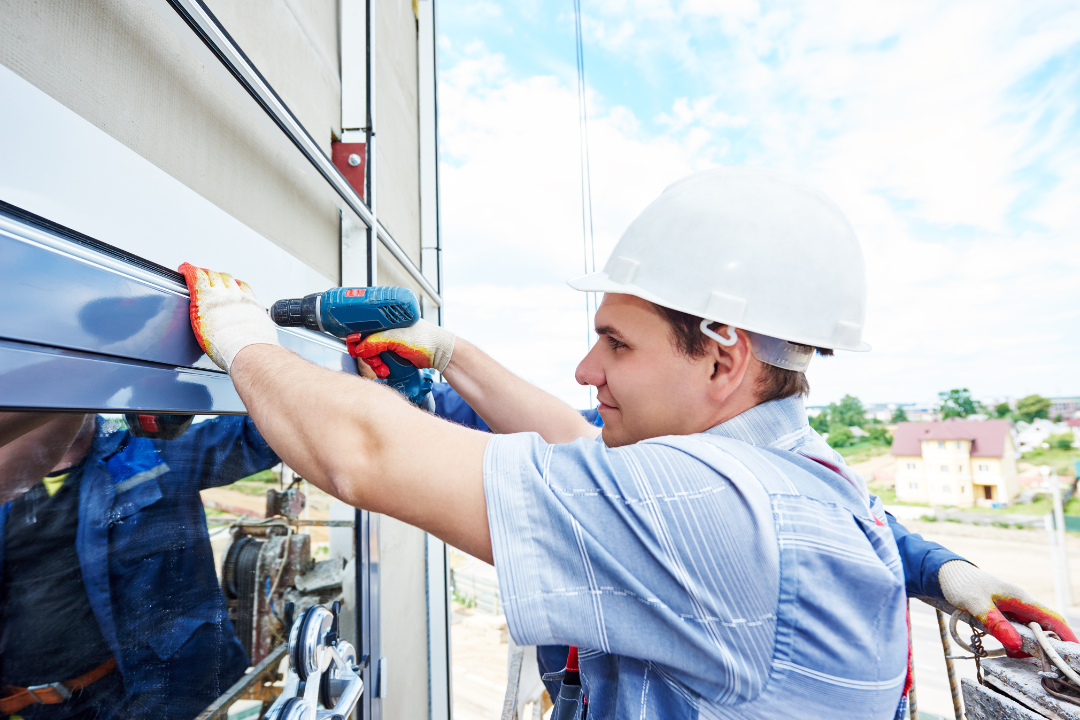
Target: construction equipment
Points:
(322, 669)
(269, 566)
(1045, 685)
(342, 312)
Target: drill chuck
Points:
(298, 312)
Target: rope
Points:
(588, 240)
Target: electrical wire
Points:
(588, 240)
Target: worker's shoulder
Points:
(775, 471)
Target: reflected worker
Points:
(108, 590)
(707, 556)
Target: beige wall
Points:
(117, 64)
(397, 124)
(911, 483)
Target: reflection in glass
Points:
(108, 580)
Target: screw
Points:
(354, 159)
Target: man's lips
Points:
(602, 406)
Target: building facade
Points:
(962, 463)
(160, 143)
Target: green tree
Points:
(1031, 407)
(957, 403)
(898, 415)
(839, 436)
(1059, 417)
(1002, 410)
(1064, 441)
(879, 435)
(848, 413)
(820, 422)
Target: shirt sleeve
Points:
(217, 452)
(922, 559)
(449, 405)
(642, 551)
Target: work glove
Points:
(993, 600)
(425, 345)
(225, 315)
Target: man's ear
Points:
(728, 368)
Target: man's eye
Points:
(615, 344)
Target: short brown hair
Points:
(774, 384)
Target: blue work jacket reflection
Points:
(147, 564)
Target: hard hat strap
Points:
(769, 350)
(728, 341)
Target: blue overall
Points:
(147, 564)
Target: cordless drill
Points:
(346, 311)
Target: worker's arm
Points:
(922, 559)
(931, 570)
(365, 444)
(357, 440)
(510, 404)
(14, 425)
(216, 452)
(507, 403)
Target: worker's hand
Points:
(994, 602)
(425, 345)
(225, 315)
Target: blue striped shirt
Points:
(716, 575)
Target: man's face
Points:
(646, 388)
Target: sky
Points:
(948, 132)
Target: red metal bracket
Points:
(351, 160)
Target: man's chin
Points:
(612, 438)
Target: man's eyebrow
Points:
(608, 330)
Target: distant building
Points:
(881, 412)
(1067, 407)
(956, 462)
(922, 413)
(1030, 436)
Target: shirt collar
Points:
(772, 424)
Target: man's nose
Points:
(589, 370)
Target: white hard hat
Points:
(751, 249)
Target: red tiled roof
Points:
(1075, 422)
(987, 436)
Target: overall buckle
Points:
(59, 687)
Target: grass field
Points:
(1063, 462)
(862, 451)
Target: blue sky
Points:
(948, 131)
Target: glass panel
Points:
(138, 561)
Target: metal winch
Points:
(323, 669)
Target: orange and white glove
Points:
(425, 345)
(225, 315)
(995, 601)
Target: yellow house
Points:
(956, 462)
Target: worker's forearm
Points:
(366, 445)
(509, 404)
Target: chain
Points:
(978, 651)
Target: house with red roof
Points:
(956, 462)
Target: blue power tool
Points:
(342, 312)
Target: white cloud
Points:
(959, 172)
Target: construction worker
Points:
(700, 558)
(925, 571)
(109, 601)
